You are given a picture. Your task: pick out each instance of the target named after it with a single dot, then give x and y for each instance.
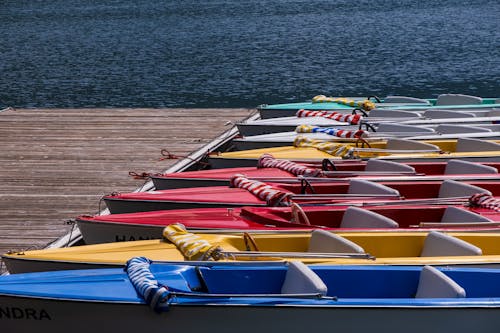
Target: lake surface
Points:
(59, 53)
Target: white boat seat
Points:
(387, 166)
(459, 215)
(405, 99)
(355, 217)
(443, 114)
(402, 144)
(300, 279)
(457, 99)
(435, 284)
(362, 186)
(322, 241)
(386, 127)
(455, 129)
(384, 113)
(494, 112)
(475, 145)
(452, 188)
(438, 244)
(459, 167)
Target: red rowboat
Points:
(253, 193)
(372, 169)
(389, 217)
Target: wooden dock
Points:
(56, 164)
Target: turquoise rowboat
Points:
(457, 102)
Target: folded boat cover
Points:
(484, 200)
(352, 119)
(192, 246)
(364, 104)
(273, 196)
(268, 161)
(332, 148)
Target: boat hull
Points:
(23, 314)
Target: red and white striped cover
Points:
(352, 119)
(268, 161)
(273, 196)
(484, 200)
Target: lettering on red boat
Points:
(7, 312)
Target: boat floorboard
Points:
(56, 164)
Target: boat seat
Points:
(300, 279)
(451, 188)
(384, 113)
(390, 127)
(443, 114)
(459, 167)
(438, 244)
(405, 99)
(322, 241)
(494, 112)
(402, 144)
(455, 129)
(458, 215)
(362, 186)
(475, 145)
(355, 217)
(435, 284)
(387, 166)
(457, 99)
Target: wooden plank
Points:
(56, 164)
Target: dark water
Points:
(60, 53)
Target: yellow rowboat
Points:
(316, 247)
(401, 150)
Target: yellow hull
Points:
(387, 248)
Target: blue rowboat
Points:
(264, 297)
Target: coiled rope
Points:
(268, 161)
(331, 131)
(273, 197)
(484, 200)
(146, 285)
(352, 119)
(364, 104)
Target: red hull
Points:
(273, 218)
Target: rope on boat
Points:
(273, 196)
(364, 104)
(341, 133)
(353, 119)
(192, 246)
(268, 161)
(169, 156)
(484, 200)
(146, 285)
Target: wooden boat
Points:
(458, 102)
(401, 150)
(245, 192)
(273, 170)
(384, 132)
(288, 297)
(382, 218)
(317, 246)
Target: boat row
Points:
(361, 213)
